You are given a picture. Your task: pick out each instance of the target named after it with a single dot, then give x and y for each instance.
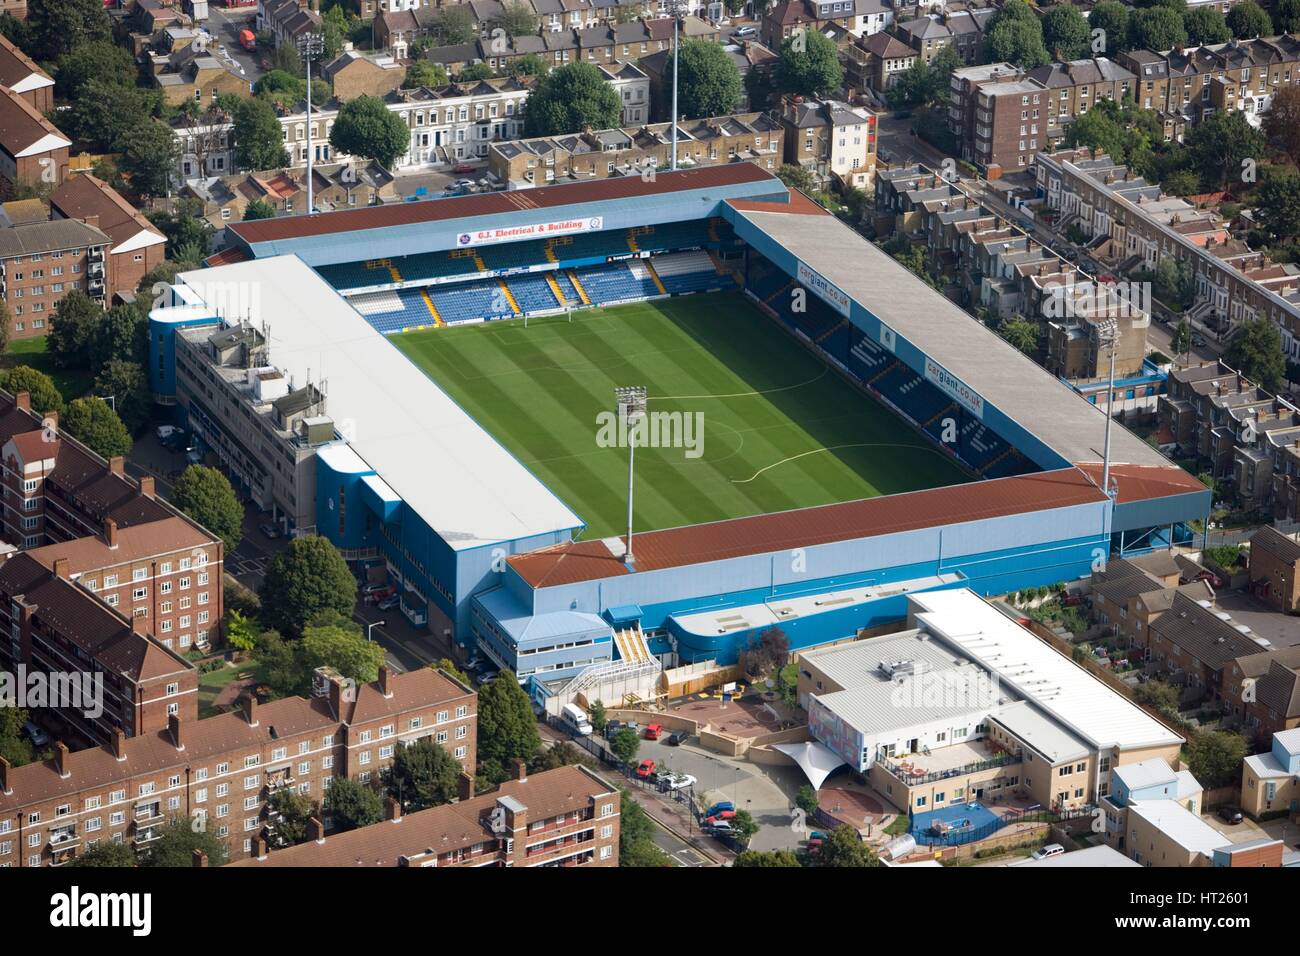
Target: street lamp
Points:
(310, 45)
(371, 626)
(631, 401)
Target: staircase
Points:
(887, 369)
(831, 331)
(433, 311)
(510, 297)
(631, 645)
(478, 261)
(555, 289)
(948, 409)
(713, 230)
(655, 276)
(582, 293)
(779, 292)
(983, 471)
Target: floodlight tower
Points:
(1108, 336)
(310, 45)
(631, 401)
(677, 9)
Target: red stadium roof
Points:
(378, 217)
(1142, 482)
(799, 205)
(807, 527)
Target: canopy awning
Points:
(817, 761)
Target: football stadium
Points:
(822, 433)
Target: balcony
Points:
(64, 838)
(944, 764)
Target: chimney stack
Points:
(259, 847)
(146, 486)
(385, 685)
(465, 786)
(174, 727)
(117, 465)
(110, 532)
(250, 709)
(315, 830)
(61, 568)
(340, 693)
(140, 624)
(50, 420)
(119, 744)
(519, 769)
(23, 400)
(4, 777)
(200, 859)
(61, 758)
(392, 809)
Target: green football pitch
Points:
(780, 430)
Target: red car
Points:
(463, 168)
(645, 768)
(720, 815)
(652, 731)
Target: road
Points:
(224, 25)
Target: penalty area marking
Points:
(817, 451)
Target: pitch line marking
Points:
(817, 451)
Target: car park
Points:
(1230, 815)
(612, 727)
(677, 738)
(676, 781)
(645, 768)
(720, 829)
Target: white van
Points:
(1052, 849)
(573, 717)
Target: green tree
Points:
(517, 19)
(279, 666)
(531, 64)
(294, 810)
(352, 804)
(1111, 18)
(345, 650)
(1181, 182)
(93, 422)
(1256, 352)
(1098, 130)
(570, 99)
(636, 846)
(708, 80)
(45, 397)
(422, 775)
(241, 630)
(1214, 757)
(121, 333)
(149, 153)
(106, 853)
(1206, 25)
(259, 140)
(1020, 333)
(1018, 42)
(1282, 121)
(258, 209)
(180, 838)
(448, 666)
(806, 800)
(454, 24)
(104, 113)
(625, 744)
(770, 858)
(1248, 20)
(809, 65)
(744, 826)
(72, 328)
(1066, 34)
(844, 848)
(1219, 145)
(598, 718)
(796, 177)
(1182, 340)
(1277, 204)
(128, 386)
(101, 60)
(13, 746)
(307, 577)
(1286, 16)
(61, 26)
(475, 71)
(366, 127)
(423, 73)
(506, 726)
(205, 494)
(1156, 28)
(563, 754)
(1158, 695)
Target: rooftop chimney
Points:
(250, 709)
(23, 400)
(259, 847)
(140, 624)
(385, 687)
(61, 568)
(174, 727)
(117, 465)
(61, 758)
(200, 859)
(146, 486)
(465, 786)
(519, 769)
(119, 743)
(315, 830)
(110, 532)
(392, 809)
(50, 420)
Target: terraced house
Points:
(221, 771)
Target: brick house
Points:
(20, 73)
(32, 150)
(1275, 569)
(137, 246)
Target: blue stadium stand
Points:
(533, 292)
(615, 282)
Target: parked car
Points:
(463, 168)
(653, 731)
(612, 727)
(720, 829)
(719, 807)
(1051, 849)
(746, 32)
(36, 735)
(269, 529)
(465, 185)
(248, 40)
(677, 738)
(387, 604)
(645, 768)
(374, 593)
(676, 781)
(1230, 814)
(575, 719)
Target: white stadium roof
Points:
(424, 446)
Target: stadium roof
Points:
(1087, 707)
(463, 484)
(1003, 375)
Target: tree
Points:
(345, 650)
(206, 495)
(1248, 20)
(448, 666)
(1156, 28)
(121, 333)
(352, 804)
(625, 744)
(454, 24)
(101, 60)
(422, 73)
(104, 113)
(1219, 145)
(106, 853)
(796, 177)
(1277, 204)
(71, 330)
(366, 127)
(279, 666)
(506, 726)
(517, 19)
(61, 26)
(563, 754)
(259, 141)
(636, 847)
(13, 746)
(806, 800)
(531, 64)
(570, 99)
(1206, 25)
(1098, 130)
(241, 630)
(744, 826)
(6, 325)
(422, 775)
(45, 397)
(149, 156)
(1214, 757)
(1286, 18)
(294, 811)
(809, 65)
(1282, 121)
(1182, 340)
(128, 386)
(1017, 42)
(1020, 333)
(770, 858)
(1181, 182)
(258, 209)
(765, 654)
(180, 838)
(93, 422)
(598, 718)
(1158, 695)
(1066, 34)
(843, 848)
(475, 71)
(1111, 18)
(708, 79)
(305, 578)
(1256, 352)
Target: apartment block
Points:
(1131, 593)
(564, 817)
(221, 771)
(136, 246)
(41, 261)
